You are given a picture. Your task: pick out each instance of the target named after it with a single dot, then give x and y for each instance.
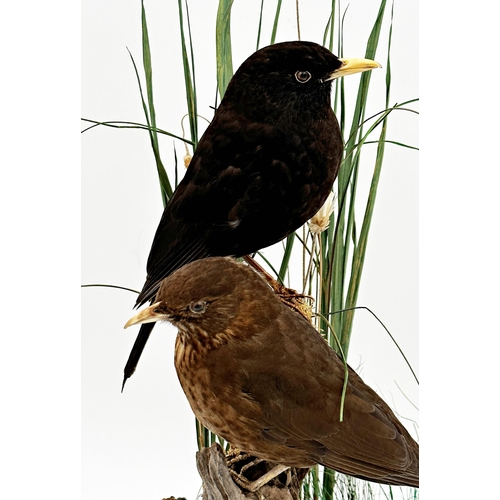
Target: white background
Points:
(40, 265)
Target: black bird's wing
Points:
(248, 186)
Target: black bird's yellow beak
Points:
(352, 66)
(148, 315)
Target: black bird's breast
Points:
(251, 183)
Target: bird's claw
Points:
(253, 486)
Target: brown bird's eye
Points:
(198, 307)
(302, 76)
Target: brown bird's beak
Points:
(148, 315)
(352, 66)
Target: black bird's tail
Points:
(135, 353)
(161, 264)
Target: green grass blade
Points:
(388, 333)
(346, 184)
(166, 188)
(189, 77)
(223, 45)
(330, 28)
(259, 30)
(286, 256)
(275, 23)
(360, 249)
(122, 124)
(148, 68)
(118, 287)
(328, 483)
(268, 262)
(194, 118)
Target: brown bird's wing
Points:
(302, 414)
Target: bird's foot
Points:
(234, 456)
(250, 472)
(291, 298)
(294, 300)
(250, 464)
(253, 486)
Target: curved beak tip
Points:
(148, 315)
(130, 322)
(353, 66)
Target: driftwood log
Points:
(218, 483)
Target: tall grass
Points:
(331, 260)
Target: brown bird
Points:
(264, 166)
(259, 375)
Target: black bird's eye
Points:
(198, 306)
(302, 76)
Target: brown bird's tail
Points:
(377, 473)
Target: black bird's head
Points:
(300, 72)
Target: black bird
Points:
(259, 375)
(264, 166)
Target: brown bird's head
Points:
(289, 72)
(201, 299)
